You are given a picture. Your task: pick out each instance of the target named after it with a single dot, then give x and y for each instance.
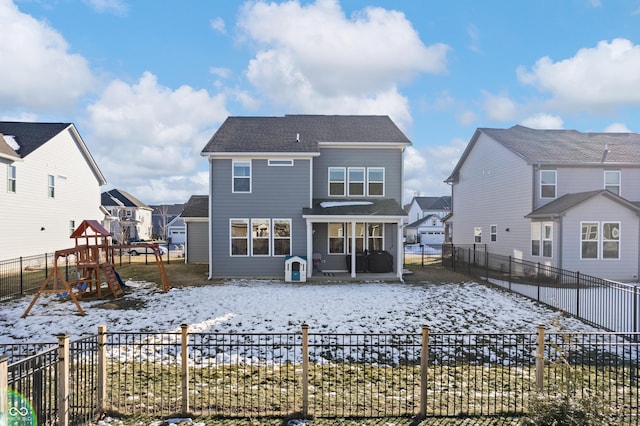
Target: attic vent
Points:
(11, 141)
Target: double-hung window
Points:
(535, 239)
(11, 178)
(356, 181)
(239, 237)
(589, 240)
(493, 231)
(542, 239)
(281, 237)
(375, 236)
(611, 240)
(600, 240)
(51, 186)
(547, 183)
(242, 176)
(612, 181)
(375, 181)
(337, 181)
(260, 237)
(336, 238)
(477, 234)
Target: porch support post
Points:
(353, 249)
(309, 248)
(400, 252)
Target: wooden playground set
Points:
(94, 259)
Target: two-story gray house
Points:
(322, 187)
(559, 197)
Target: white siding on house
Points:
(601, 209)
(490, 178)
(33, 223)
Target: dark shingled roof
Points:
(125, 198)
(31, 136)
(568, 146)
(378, 207)
(278, 134)
(197, 206)
(562, 147)
(562, 204)
(434, 203)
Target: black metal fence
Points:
(25, 275)
(323, 375)
(603, 303)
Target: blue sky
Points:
(147, 82)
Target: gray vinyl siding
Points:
(575, 179)
(494, 187)
(390, 159)
(601, 209)
(276, 193)
(198, 244)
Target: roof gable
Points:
(31, 136)
(434, 203)
(197, 206)
(301, 133)
(118, 197)
(567, 202)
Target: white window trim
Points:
(543, 239)
(602, 239)
(12, 177)
(619, 185)
(384, 176)
(231, 237)
(280, 162)
(273, 236)
(493, 233)
(555, 184)
(344, 181)
(233, 176)
(269, 251)
(597, 240)
(344, 236)
(477, 232)
(363, 182)
(51, 186)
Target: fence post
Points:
(63, 379)
(305, 370)
(510, 260)
(102, 368)
(538, 280)
(185, 367)
(21, 278)
(486, 264)
(540, 358)
(578, 293)
(424, 365)
(4, 389)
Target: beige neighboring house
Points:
(131, 219)
(49, 184)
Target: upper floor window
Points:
(337, 181)
(241, 176)
(356, 181)
(612, 181)
(547, 183)
(11, 178)
(51, 186)
(375, 181)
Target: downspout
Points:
(400, 249)
(353, 249)
(210, 218)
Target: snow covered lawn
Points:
(274, 306)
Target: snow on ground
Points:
(257, 306)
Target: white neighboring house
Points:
(131, 218)
(49, 184)
(425, 216)
(176, 230)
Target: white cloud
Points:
(500, 108)
(313, 58)
(116, 7)
(467, 117)
(218, 25)
(543, 121)
(425, 172)
(28, 47)
(617, 128)
(598, 78)
(149, 137)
